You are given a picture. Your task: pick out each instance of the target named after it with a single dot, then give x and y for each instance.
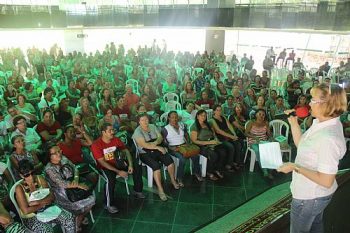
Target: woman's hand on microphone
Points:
(293, 120)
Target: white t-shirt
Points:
(320, 149)
(43, 103)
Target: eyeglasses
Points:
(27, 175)
(312, 101)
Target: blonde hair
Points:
(334, 97)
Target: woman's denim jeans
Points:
(307, 215)
(182, 161)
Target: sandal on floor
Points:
(163, 197)
(219, 174)
(199, 178)
(176, 186)
(181, 184)
(85, 221)
(212, 177)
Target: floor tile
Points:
(128, 208)
(157, 211)
(197, 194)
(143, 227)
(193, 214)
(220, 210)
(229, 196)
(109, 225)
(231, 180)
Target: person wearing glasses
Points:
(148, 143)
(104, 150)
(29, 210)
(31, 137)
(319, 150)
(53, 173)
(19, 153)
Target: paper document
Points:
(270, 155)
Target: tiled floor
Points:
(188, 208)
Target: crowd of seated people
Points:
(67, 111)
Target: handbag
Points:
(74, 194)
(188, 150)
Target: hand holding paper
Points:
(270, 155)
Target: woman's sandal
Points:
(212, 177)
(176, 186)
(199, 178)
(85, 221)
(219, 174)
(163, 197)
(181, 184)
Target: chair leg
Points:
(150, 177)
(99, 184)
(203, 162)
(164, 171)
(126, 186)
(245, 156)
(252, 160)
(191, 166)
(92, 217)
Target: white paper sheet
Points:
(270, 155)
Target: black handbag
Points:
(74, 194)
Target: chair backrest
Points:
(277, 128)
(209, 114)
(172, 105)
(9, 167)
(13, 197)
(171, 97)
(163, 118)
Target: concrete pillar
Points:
(215, 40)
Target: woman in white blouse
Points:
(319, 150)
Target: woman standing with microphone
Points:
(319, 150)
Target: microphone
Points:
(284, 116)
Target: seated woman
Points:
(7, 223)
(188, 94)
(221, 92)
(19, 153)
(210, 147)
(148, 140)
(238, 120)
(175, 134)
(54, 170)
(204, 102)
(260, 104)
(124, 114)
(49, 129)
(32, 212)
(109, 117)
(302, 108)
(23, 105)
(79, 126)
(278, 108)
(65, 112)
(258, 130)
(226, 134)
(88, 113)
(75, 149)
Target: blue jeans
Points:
(182, 161)
(306, 215)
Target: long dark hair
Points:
(205, 122)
